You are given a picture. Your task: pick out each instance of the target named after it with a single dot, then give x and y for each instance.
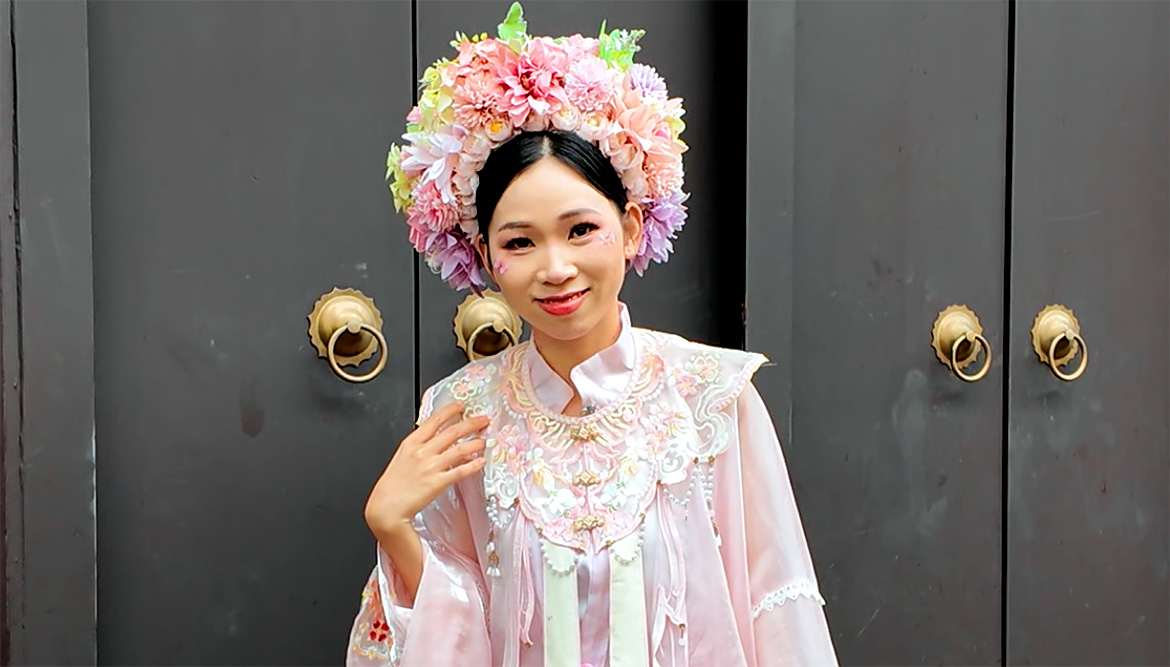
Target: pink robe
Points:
(670, 500)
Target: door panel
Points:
(897, 209)
(238, 157)
(698, 49)
(1087, 496)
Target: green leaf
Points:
(618, 47)
(514, 27)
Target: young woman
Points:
(599, 494)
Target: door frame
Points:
(47, 443)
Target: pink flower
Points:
(536, 122)
(637, 120)
(489, 54)
(567, 119)
(578, 47)
(464, 184)
(590, 83)
(662, 178)
(662, 165)
(477, 99)
(534, 82)
(429, 212)
(476, 149)
(433, 156)
(595, 126)
(634, 178)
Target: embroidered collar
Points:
(599, 380)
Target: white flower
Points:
(561, 501)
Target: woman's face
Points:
(559, 250)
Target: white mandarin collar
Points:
(599, 380)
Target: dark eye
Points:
(581, 229)
(517, 243)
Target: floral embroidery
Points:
(509, 448)
(586, 482)
(663, 424)
(471, 382)
(698, 371)
(373, 638)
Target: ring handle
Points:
(346, 328)
(355, 327)
(485, 325)
(983, 370)
(1056, 339)
(957, 337)
(473, 339)
(1074, 338)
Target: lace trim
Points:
(777, 598)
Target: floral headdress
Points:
(497, 88)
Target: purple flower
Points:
(663, 220)
(451, 256)
(646, 79)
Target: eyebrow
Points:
(564, 216)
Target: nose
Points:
(559, 266)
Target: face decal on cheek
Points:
(501, 267)
(608, 237)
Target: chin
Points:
(565, 331)
(566, 328)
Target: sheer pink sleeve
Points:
(770, 572)
(447, 624)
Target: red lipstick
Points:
(563, 304)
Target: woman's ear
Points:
(632, 231)
(485, 257)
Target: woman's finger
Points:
(460, 453)
(462, 471)
(432, 424)
(452, 434)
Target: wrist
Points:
(394, 530)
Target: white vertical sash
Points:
(628, 644)
(562, 630)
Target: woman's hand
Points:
(427, 462)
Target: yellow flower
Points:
(400, 185)
(435, 106)
(431, 75)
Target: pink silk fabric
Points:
(728, 577)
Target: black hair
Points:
(526, 149)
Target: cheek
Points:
(501, 267)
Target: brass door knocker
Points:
(1056, 338)
(486, 325)
(957, 338)
(346, 329)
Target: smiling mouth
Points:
(562, 298)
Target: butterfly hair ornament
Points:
(496, 88)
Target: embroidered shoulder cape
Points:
(660, 529)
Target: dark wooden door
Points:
(1087, 493)
(187, 178)
(908, 156)
(237, 159)
(876, 199)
